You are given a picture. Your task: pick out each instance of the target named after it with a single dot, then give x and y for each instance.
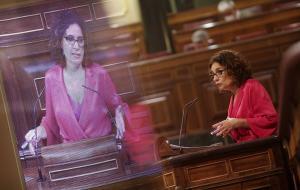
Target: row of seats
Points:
(250, 21)
(254, 23)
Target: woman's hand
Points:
(33, 136)
(224, 127)
(36, 134)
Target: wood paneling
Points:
(250, 163)
(244, 166)
(222, 32)
(21, 25)
(169, 180)
(79, 164)
(83, 10)
(210, 12)
(207, 172)
(31, 24)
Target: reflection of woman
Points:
(79, 94)
(251, 114)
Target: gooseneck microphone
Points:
(37, 147)
(119, 142)
(109, 113)
(184, 116)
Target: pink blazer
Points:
(60, 121)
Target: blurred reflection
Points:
(88, 100)
(139, 138)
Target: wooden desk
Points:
(85, 164)
(149, 177)
(252, 165)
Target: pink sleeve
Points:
(49, 121)
(263, 121)
(113, 100)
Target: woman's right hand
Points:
(33, 136)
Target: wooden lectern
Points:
(257, 164)
(83, 164)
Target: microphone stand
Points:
(118, 141)
(37, 150)
(185, 112)
(109, 113)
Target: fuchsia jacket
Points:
(252, 102)
(60, 122)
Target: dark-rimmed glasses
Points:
(71, 40)
(219, 73)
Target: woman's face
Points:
(73, 46)
(221, 78)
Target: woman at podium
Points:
(251, 114)
(80, 96)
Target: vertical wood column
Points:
(157, 34)
(11, 176)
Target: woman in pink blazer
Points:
(80, 96)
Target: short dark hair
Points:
(58, 29)
(235, 64)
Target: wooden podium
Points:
(83, 164)
(257, 164)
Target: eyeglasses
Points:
(219, 73)
(71, 40)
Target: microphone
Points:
(185, 112)
(118, 141)
(109, 113)
(37, 147)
